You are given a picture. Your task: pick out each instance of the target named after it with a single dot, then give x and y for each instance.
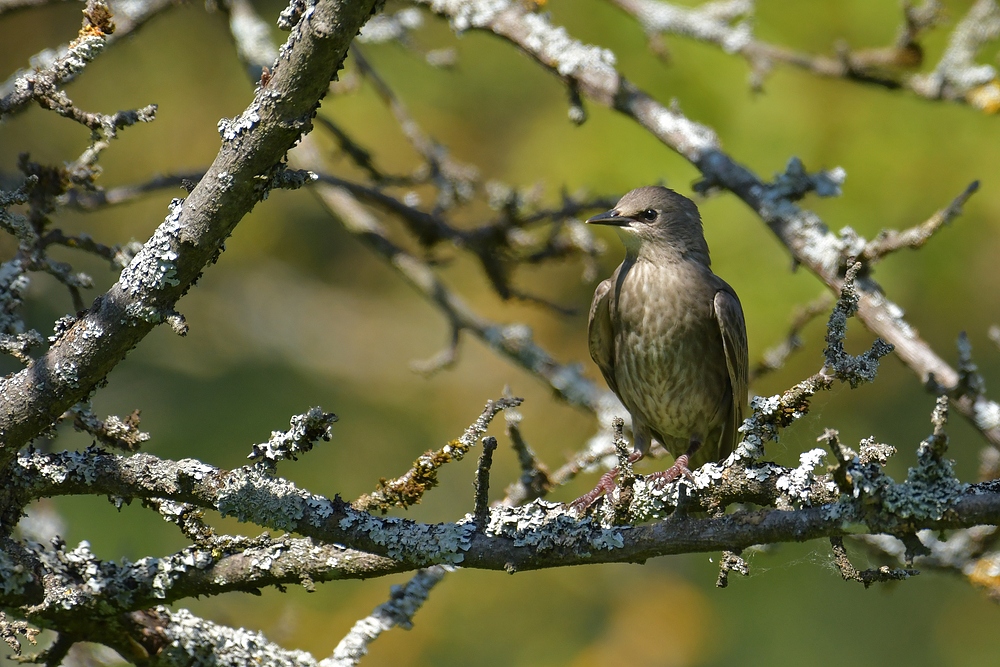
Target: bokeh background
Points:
(297, 313)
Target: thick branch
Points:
(193, 233)
(534, 536)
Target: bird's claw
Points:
(664, 477)
(604, 486)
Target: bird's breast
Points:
(669, 359)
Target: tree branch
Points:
(253, 146)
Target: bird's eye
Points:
(649, 215)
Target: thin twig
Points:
(864, 577)
(482, 504)
(890, 240)
(775, 357)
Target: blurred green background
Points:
(297, 313)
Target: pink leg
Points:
(680, 466)
(605, 485)
(664, 477)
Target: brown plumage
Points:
(669, 335)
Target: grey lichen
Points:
(14, 576)
(797, 483)
(292, 14)
(850, 368)
(795, 182)
(567, 55)
(196, 641)
(694, 140)
(154, 268)
(251, 493)
(230, 129)
(931, 487)
(548, 527)
(306, 429)
(406, 540)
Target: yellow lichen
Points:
(985, 97)
(986, 574)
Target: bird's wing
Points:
(729, 315)
(602, 337)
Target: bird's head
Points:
(655, 220)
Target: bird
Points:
(669, 336)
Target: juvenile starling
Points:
(669, 336)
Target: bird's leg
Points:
(605, 485)
(680, 466)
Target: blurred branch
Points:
(994, 334)
(956, 78)
(499, 246)
(513, 341)
(93, 200)
(454, 181)
(252, 37)
(103, 24)
(970, 553)
(775, 357)
(11, 6)
(591, 70)
(957, 75)
(398, 611)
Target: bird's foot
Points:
(604, 486)
(664, 477)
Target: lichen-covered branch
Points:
(864, 577)
(163, 637)
(398, 611)
(409, 488)
(254, 145)
(543, 534)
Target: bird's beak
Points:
(611, 217)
